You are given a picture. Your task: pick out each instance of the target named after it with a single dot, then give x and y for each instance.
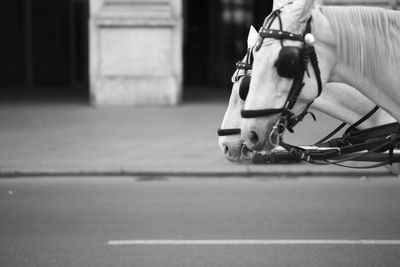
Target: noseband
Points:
(292, 63)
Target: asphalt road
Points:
(71, 221)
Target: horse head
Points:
(229, 139)
(284, 61)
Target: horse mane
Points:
(367, 38)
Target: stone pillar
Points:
(135, 52)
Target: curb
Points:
(190, 174)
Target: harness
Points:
(292, 63)
(377, 144)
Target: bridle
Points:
(244, 66)
(292, 63)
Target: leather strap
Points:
(256, 113)
(335, 131)
(353, 127)
(243, 66)
(226, 132)
(279, 34)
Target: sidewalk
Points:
(40, 138)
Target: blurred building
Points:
(128, 52)
(391, 4)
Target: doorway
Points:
(46, 47)
(215, 37)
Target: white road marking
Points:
(256, 242)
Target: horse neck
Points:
(348, 105)
(381, 89)
(388, 100)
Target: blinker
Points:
(289, 63)
(244, 87)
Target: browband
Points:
(278, 34)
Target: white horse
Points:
(358, 46)
(337, 100)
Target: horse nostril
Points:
(253, 137)
(226, 149)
